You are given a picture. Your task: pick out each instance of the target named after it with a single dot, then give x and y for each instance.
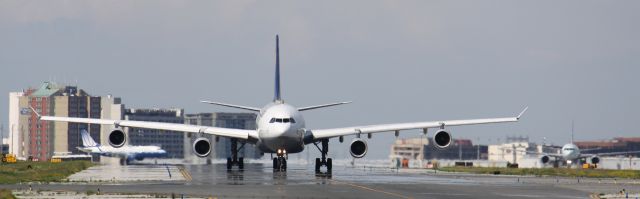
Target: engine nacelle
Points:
(117, 138)
(358, 148)
(595, 160)
(544, 159)
(202, 147)
(442, 139)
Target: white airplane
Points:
(125, 153)
(281, 130)
(571, 154)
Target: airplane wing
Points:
(225, 132)
(552, 147)
(609, 154)
(590, 149)
(547, 154)
(329, 133)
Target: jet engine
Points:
(202, 147)
(595, 160)
(544, 159)
(358, 148)
(442, 139)
(117, 138)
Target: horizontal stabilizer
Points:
(321, 106)
(231, 105)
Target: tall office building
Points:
(221, 148)
(15, 143)
(171, 141)
(40, 139)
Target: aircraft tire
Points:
(284, 164)
(275, 164)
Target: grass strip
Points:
(40, 171)
(563, 172)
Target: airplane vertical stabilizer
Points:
(277, 97)
(571, 131)
(87, 141)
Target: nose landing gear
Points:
(323, 161)
(280, 162)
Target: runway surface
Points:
(259, 181)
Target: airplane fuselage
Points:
(570, 152)
(280, 126)
(129, 152)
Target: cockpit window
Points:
(282, 120)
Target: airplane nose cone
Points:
(280, 130)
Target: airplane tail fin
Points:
(277, 96)
(87, 141)
(571, 131)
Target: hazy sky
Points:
(399, 61)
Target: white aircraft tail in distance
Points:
(281, 130)
(125, 153)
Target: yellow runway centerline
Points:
(185, 173)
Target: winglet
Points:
(522, 113)
(36, 112)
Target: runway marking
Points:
(185, 173)
(446, 194)
(372, 189)
(536, 196)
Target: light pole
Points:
(1, 139)
(478, 146)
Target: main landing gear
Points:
(125, 161)
(324, 161)
(280, 162)
(234, 159)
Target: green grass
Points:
(5, 193)
(564, 172)
(40, 171)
